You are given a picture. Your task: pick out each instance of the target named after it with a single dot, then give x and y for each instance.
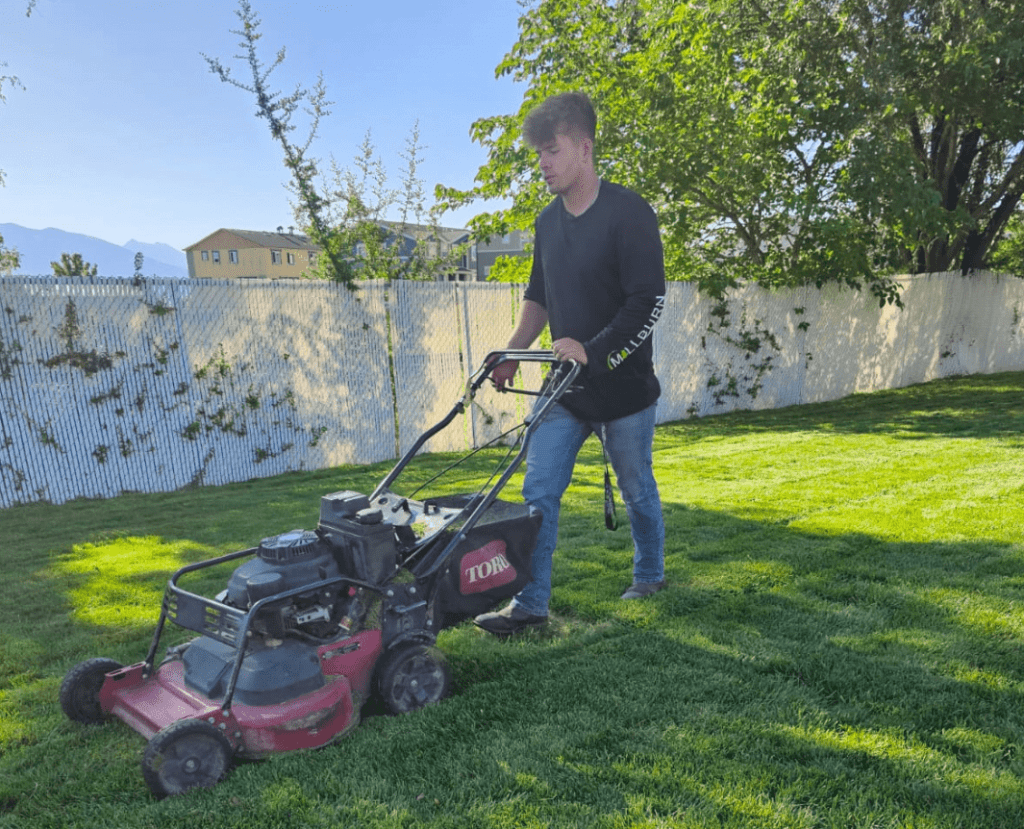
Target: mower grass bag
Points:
(490, 564)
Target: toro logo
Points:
(485, 568)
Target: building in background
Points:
(251, 254)
(511, 244)
(256, 254)
(450, 246)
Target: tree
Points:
(356, 205)
(72, 264)
(1008, 254)
(784, 141)
(342, 217)
(9, 259)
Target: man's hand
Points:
(569, 349)
(503, 374)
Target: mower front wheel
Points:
(80, 690)
(412, 676)
(185, 755)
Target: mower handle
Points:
(519, 355)
(476, 380)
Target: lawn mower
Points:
(313, 622)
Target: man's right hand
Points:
(503, 374)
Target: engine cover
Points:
(284, 562)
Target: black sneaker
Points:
(640, 589)
(508, 621)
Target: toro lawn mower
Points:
(314, 621)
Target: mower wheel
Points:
(412, 676)
(185, 755)
(80, 690)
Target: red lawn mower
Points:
(314, 621)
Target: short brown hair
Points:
(570, 113)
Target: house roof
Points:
(451, 235)
(299, 241)
(262, 239)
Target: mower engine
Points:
(351, 540)
(352, 543)
(288, 562)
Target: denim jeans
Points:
(549, 464)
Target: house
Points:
(441, 243)
(487, 251)
(251, 254)
(254, 254)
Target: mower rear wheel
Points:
(412, 676)
(185, 755)
(80, 690)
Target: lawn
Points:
(841, 643)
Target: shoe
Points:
(508, 621)
(640, 589)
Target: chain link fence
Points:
(118, 385)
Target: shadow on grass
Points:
(802, 677)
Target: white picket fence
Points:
(108, 386)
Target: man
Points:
(598, 280)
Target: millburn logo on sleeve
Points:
(616, 358)
(485, 569)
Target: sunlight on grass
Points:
(120, 582)
(981, 614)
(912, 758)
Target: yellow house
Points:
(251, 254)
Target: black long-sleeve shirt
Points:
(601, 278)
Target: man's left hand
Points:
(569, 349)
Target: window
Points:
(205, 255)
(216, 257)
(233, 257)
(291, 258)
(275, 257)
(312, 258)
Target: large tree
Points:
(785, 141)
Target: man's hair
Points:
(570, 113)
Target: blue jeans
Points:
(549, 464)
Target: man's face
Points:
(562, 162)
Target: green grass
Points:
(841, 644)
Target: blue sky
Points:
(122, 132)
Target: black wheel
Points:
(411, 677)
(80, 690)
(185, 755)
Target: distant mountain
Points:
(158, 252)
(38, 248)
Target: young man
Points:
(598, 280)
